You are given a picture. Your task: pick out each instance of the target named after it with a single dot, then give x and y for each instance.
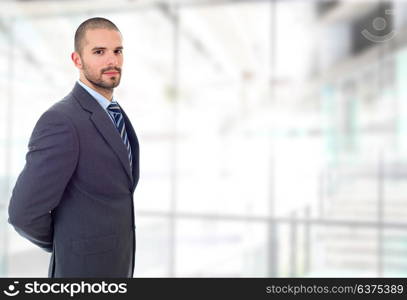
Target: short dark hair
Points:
(92, 23)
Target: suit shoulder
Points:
(67, 107)
(56, 119)
(60, 112)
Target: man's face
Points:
(102, 58)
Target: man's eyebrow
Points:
(104, 48)
(98, 48)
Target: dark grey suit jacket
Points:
(74, 197)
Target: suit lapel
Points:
(109, 132)
(104, 125)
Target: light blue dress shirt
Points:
(104, 103)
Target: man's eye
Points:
(118, 51)
(98, 52)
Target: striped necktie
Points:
(117, 116)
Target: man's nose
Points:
(112, 59)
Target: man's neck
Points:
(107, 93)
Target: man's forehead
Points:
(103, 37)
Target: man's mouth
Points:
(111, 73)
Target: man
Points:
(74, 197)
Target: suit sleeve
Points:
(50, 162)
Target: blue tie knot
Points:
(114, 107)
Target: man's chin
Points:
(108, 86)
(113, 83)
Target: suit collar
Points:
(103, 102)
(104, 125)
(84, 98)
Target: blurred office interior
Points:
(273, 133)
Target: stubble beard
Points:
(99, 82)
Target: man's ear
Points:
(76, 60)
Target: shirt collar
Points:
(98, 97)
